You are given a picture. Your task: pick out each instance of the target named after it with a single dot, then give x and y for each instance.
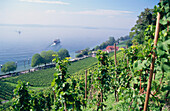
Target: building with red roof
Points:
(111, 48)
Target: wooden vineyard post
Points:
(116, 94)
(85, 84)
(65, 106)
(152, 64)
(153, 76)
(115, 55)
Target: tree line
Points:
(111, 41)
(44, 57)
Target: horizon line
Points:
(63, 26)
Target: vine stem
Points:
(159, 84)
(85, 84)
(127, 58)
(65, 105)
(102, 99)
(152, 64)
(168, 26)
(140, 82)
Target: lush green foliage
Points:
(102, 79)
(40, 78)
(63, 53)
(81, 65)
(47, 56)
(84, 52)
(43, 58)
(6, 106)
(36, 60)
(25, 100)
(9, 66)
(122, 44)
(79, 55)
(22, 100)
(123, 38)
(66, 90)
(144, 19)
(129, 43)
(133, 77)
(111, 41)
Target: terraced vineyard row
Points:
(41, 78)
(6, 91)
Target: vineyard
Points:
(41, 78)
(6, 91)
(135, 79)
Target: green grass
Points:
(111, 105)
(81, 64)
(122, 44)
(6, 91)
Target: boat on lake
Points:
(56, 41)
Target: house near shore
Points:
(94, 53)
(111, 49)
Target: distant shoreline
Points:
(36, 68)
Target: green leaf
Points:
(166, 68)
(167, 8)
(160, 52)
(164, 60)
(163, 22)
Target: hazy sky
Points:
(91, 13)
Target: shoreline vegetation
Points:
(121, 42)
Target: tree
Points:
(96, 48)
(111, 41)
(121, 38)
(79, 55)
(47, 56)
(9, 66)
(63, 53)
(126, 37)
(85, 52)
(144, 19)
(36, 60)
(90, 53)
(129, 43)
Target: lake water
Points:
(34, 39)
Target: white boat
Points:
(55, 42)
